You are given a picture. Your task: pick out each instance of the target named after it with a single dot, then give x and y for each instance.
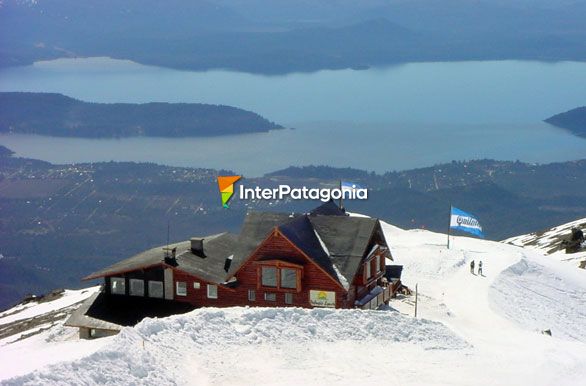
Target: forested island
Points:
(59, 115)
(5, 152)
(573, 120)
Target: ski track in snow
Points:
(537, 305)
(481, 330)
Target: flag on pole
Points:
(346, 185)
(465, 222)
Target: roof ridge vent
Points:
(197, 246)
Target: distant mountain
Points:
(573, 120)
(58, 115)
(264, 36)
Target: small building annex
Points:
(321, 259)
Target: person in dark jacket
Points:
(472, 267)
(480, 267)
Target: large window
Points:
(288, 278)
(378, 268)
(156, 289)
(212, 291)
(285, 278)
(269, 276)
(118, 285)
(136, 287)
(181, 288)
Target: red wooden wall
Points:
(278, 247)
(198, 297)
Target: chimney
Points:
(228, 263)
(171, 258)
(197, 246)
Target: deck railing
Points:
(382, 298)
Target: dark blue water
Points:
(391, 118)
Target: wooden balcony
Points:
(378, 296)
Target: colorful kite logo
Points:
(226, 185)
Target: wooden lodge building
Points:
(321, 259)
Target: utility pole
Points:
(416, 293)
(168, 228)
(449, 226)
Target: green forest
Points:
(58, 115)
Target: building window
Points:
(196, 285)
(212, 291)
(368, 270)
(269, 277)
(251, 295)
(288, 278)
(270, 297)
(156, 289)
(118, 285)
(288, 298)
(136, 287)
(181, 288)
(378, 269)
(279, 277)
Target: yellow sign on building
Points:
(319, 298)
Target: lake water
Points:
(381, 119)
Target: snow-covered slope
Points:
(549, 241)
(32, 334)
(481, 330)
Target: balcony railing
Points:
(377, 296)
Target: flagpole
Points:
(449, 226)
(342, 194)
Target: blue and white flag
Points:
(346, 185)
(465, 222)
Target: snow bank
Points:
(162, 351)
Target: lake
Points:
(380, 119)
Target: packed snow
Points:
(471, 329)
(538, 306)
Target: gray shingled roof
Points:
(78, 318)
(217, 248)
(346, 239)
(329, 208)
(301, 233)
(256, 227)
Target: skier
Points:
(472, 267)
(480, 268)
